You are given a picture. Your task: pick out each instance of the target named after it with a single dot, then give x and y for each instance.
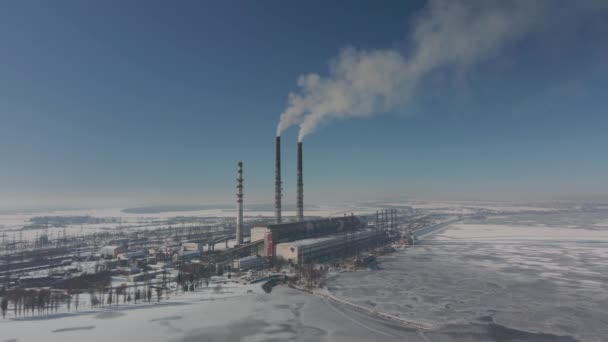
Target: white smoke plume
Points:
(450, 33)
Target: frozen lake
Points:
(535, 274)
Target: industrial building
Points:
(191, 246)
(131, 255)
(186, 255)
(112, 251)
(327, 247)
(286, 232)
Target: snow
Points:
(540, 271)
(511, 233)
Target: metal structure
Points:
(300, 184)
(239, 204)
(277, 182)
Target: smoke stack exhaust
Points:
(239, 204)
(277, 182)
(300, 185)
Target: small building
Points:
(248, 263)
(187, 255)
(112, 251)
(190, 246)
(127, 270)
(132, 255)
(143, 276)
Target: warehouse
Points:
(325, 248)
(111, 251)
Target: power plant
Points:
(205, 246)
(301, 242)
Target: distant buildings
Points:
(112, 251)
(186, 255)
(131, 255)
(191, 246)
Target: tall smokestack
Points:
(277, 182)
(239, 204)
(300, 185)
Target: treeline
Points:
(32, 301)
(98, 292)
(64, 221)
(191, 276)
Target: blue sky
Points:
(137, 102)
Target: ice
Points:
(543, 279)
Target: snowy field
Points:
(533, 274)
(15, 224)
(283, 315)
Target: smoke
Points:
(449, 33)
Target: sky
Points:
(125, 103)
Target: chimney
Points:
(239, 204)
(277, 182)
(300, 185)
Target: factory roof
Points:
(110, 247)
(312, 241)
(318, 222)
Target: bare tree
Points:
(137, 295)
(110, 297)
(76, 299)
(4, 306)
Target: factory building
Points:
(112, 251)
(325, 248)
(286, 232)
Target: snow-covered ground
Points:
(283, 315)
(14, 224)
(525, 277)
